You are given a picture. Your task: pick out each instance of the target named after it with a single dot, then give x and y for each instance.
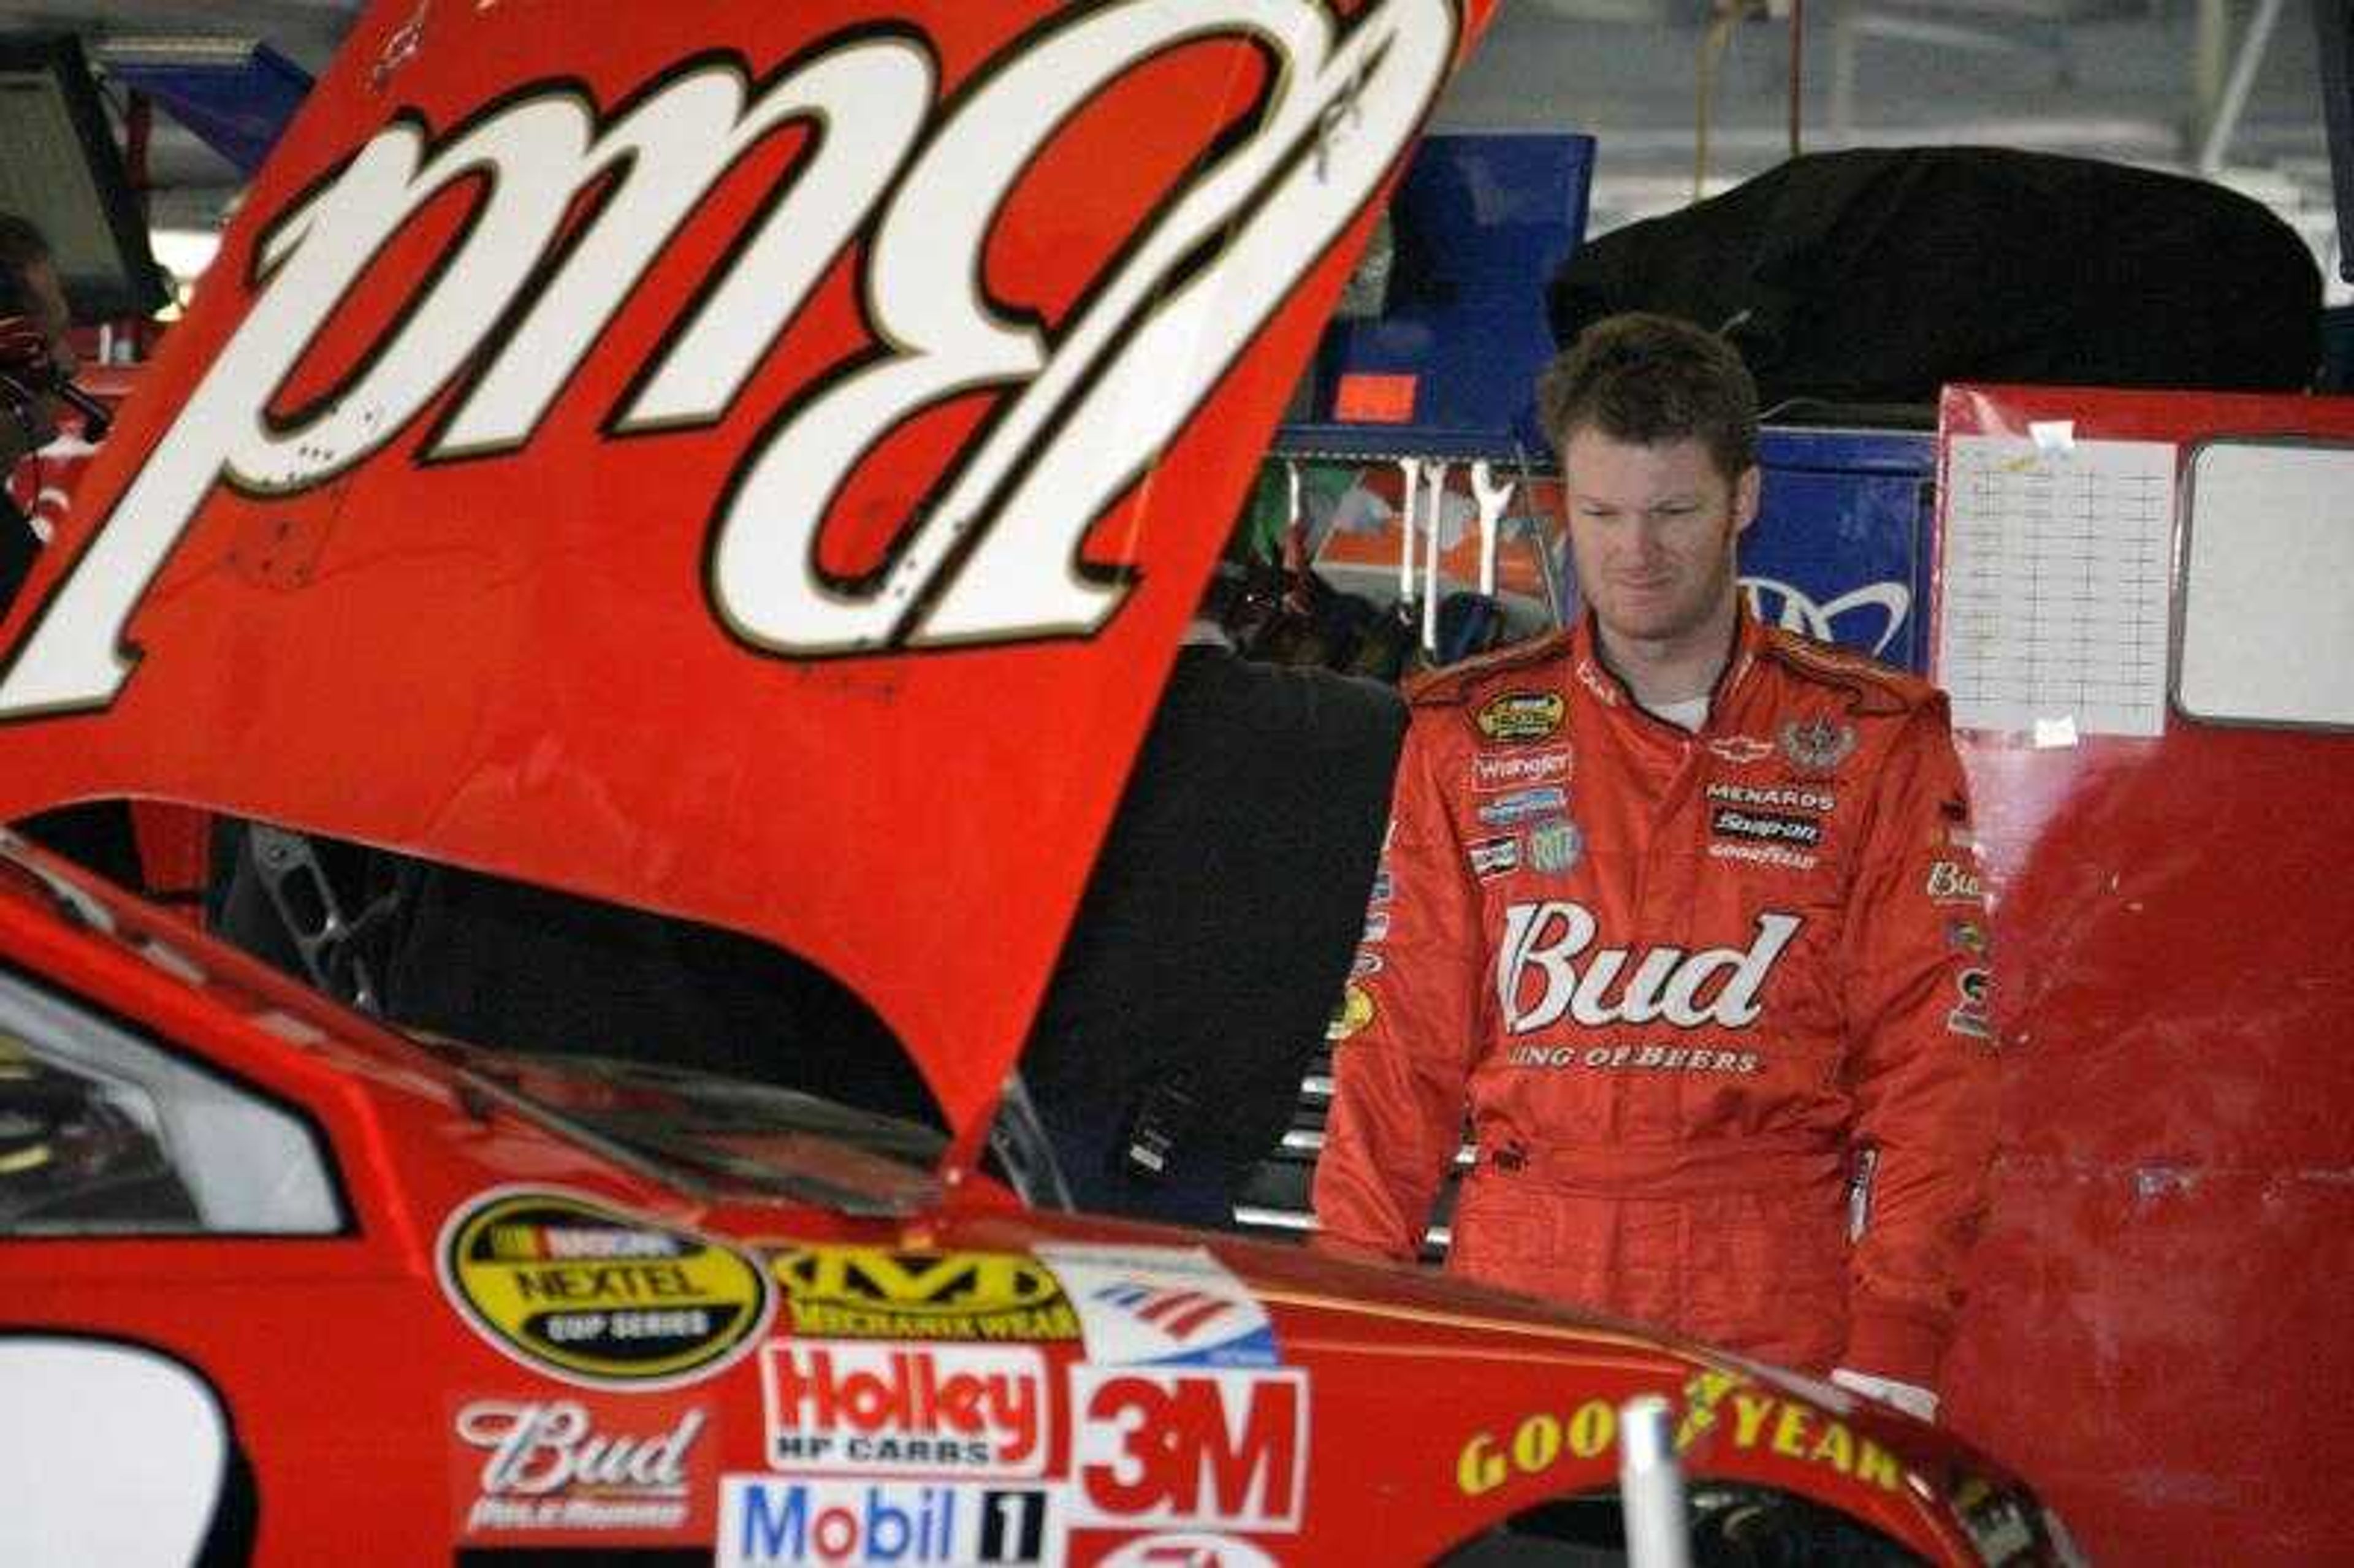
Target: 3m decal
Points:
(594, 1297)
(911, 186)
(1225, 1449)
(1350, 1014)
(846, 1405)
(1521, 715)
(1493, 773)
(855, 1292)
(1716, 987)
(552, 1465)
(1150, 1306)
(765, 1521)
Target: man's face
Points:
(48, 301)
(1652, 531)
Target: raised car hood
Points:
(749, 460)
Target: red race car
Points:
(751, 463)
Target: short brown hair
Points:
(1649, 379)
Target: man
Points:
(1687, 911)
(33, 350)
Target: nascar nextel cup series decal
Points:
(591, 1296)
(916, 188)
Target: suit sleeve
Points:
(1407, 1030)
(1923, 1064)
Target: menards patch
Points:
(876, 1293)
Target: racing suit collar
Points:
(1595, 672)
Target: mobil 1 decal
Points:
(590, 1294)
(771, 1521)
(1160, 1305)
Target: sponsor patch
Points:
(1818, 801)
(594, 1297)
(1353, 1011)
(1377, 928)
(1766, 826)
(553, 1467)
(1494, 857)
(1592, 680)
(1972, 1015)
(1740, 750)
(1493, 773)
(1967, 937)
(1556, 847)
(1366, 963)
(1158, 1447)
(1522, 806)
(1156, 1305)
(1950, 881)
(1384, 887)
(860, 1292)
(1550, 965)
(1521, 715)
(1817, 744)
(769, 1522)
(863, 1407)
(1765, 854)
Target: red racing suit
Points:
(1717, 1003)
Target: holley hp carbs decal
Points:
(596, 1296)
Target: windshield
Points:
(723, 1133)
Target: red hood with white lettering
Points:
(748, 462)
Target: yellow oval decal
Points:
(596, 1296)
(1521, 715)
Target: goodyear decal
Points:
(1719, 1409)
(876, 1293)
(1521, 715)
(592, 1295)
